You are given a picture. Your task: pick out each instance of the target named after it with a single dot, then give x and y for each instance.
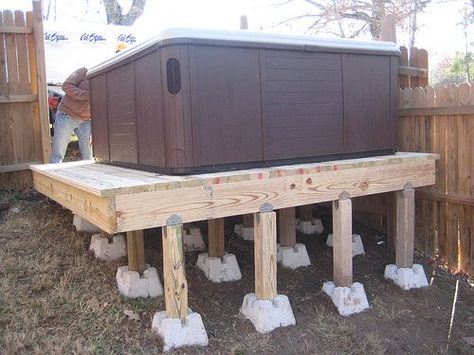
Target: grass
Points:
(55, 298)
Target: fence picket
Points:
(21, 128)
(444, 211)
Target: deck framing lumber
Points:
(265, 246)
(287, 227)
(120, 200)
(136, 251)
(216, 237)
(342, 248)
(405, 227)
(97, 210)
(174, 274)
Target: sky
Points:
(439, 31)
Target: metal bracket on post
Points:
(344, 195)
(266, 207)
(174, 220)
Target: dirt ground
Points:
(56, 298)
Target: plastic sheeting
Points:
(69, 46)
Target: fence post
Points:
(42, 91)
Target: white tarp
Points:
(69, 46)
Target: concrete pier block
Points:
(293, 257)
(245, 233)
(357, 246)
(83, 225)
(219, 270)
(310, 227)
(267, 315)
(407, 278)
(348, 300)
(108, 249)
(176, 333)
(133, 285)
(192, 239)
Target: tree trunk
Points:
(115, 16)
(378, 13)
(413, 23)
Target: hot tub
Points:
(192, 101)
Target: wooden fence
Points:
(441, 120)
(24, 124)
(413, 69)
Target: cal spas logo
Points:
(127, 38)
(55, 37)
(92, 37)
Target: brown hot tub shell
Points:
(198, 101)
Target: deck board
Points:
(107, 180)
(119, 199)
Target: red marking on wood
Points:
(260, 175)
(334, 167)
(217, 180)
(300, 171)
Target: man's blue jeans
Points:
(64, 125)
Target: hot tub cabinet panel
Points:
(302, 104)
(201, 101)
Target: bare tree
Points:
(115, 13)
(349, 18)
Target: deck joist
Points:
(118, 199)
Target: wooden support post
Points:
(287, 227)
(244, 25)
(174, 275)
(247, 220)
(306, 213)
(405, 227)
(216, 240)
(136, 251)
(342, 234)
(265, 253)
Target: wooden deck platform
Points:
(124, 200)
(118, 199)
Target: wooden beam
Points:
(136, 251)
(244, 25)
(265, 253)
(389, 29)
(405, 227)
(17, 99)
(391, 217)
(98, 210)
(140, 210)
(106, 180)
(306, 213)
(437, 111)
(17, 167)
(174, 274)
(216, 238)
(40, 80)
(464, 199)
(411, 71)
(342, 234)
(287, 227)
(16, 29)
